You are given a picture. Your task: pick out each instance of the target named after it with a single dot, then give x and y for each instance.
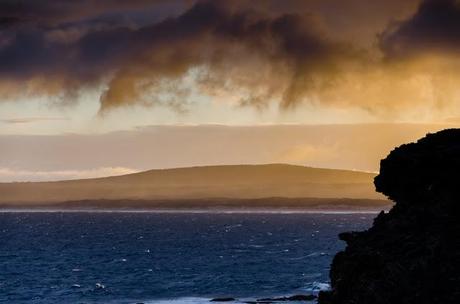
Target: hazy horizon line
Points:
(134, 171)
(219, 125)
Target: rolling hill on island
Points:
(246, 184)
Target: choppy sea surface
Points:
(166, 257)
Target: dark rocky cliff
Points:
(411, 254)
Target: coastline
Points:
(211, 205)
(192, 211)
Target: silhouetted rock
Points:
(222, 300)
(410, 255)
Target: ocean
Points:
(167, 257)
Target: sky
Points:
(290, 81)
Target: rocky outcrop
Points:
(223, 300)
(411, 254)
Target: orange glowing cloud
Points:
(161, 53)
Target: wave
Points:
(190, 300)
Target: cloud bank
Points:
(383, 57)
(434, 28)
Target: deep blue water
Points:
(82, 257)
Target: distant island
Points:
(235, 186)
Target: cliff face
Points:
(412, 253)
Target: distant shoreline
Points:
(193, 211)
(215, 205)
(237, 185)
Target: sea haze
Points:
(148, 257)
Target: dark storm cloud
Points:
(55, 12)
(168, 52)
(61, 47)
(45, 46)
(225, 44)
(435, 28)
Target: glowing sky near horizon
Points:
(94, 68)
